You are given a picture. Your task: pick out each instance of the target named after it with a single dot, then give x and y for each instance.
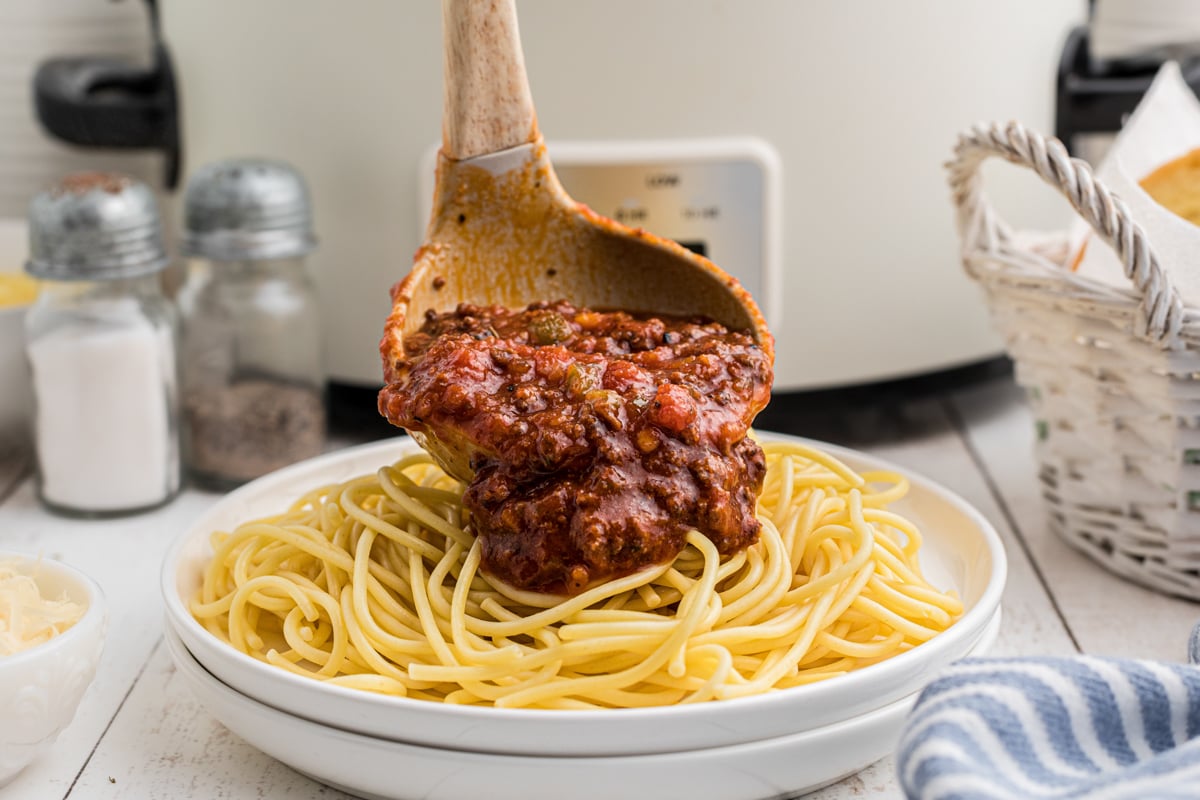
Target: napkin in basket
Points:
(1165, 126)
(1081, 727)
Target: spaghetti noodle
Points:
(375, 584)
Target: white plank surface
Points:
(163, 744)
(140, 734)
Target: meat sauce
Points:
(597, 439)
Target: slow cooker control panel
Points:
(718, 196)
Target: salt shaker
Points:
(101, 342)
(253, 386)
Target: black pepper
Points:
(247, 428)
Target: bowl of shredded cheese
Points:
(52, 624)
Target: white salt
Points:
(104, 430)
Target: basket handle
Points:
(982, 231)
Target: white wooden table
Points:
(139, 734)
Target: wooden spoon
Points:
(503, 231)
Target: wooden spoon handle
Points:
(487, 105)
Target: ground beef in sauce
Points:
(598, 439)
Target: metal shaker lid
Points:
(95, 225)
(247, 208)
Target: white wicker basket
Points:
(1112, 375)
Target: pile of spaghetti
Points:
(375, 584)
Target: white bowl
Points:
(40, 688)
(961, 551)
(388, 770)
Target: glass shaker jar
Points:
(253, 386)
(101, 344)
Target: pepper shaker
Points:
(101, 344)
(253, 386)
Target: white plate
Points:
(961, 551)
(388, 770)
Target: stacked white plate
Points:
(772, 745)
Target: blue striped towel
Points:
(1079, 727)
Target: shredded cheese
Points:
(26, 618)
